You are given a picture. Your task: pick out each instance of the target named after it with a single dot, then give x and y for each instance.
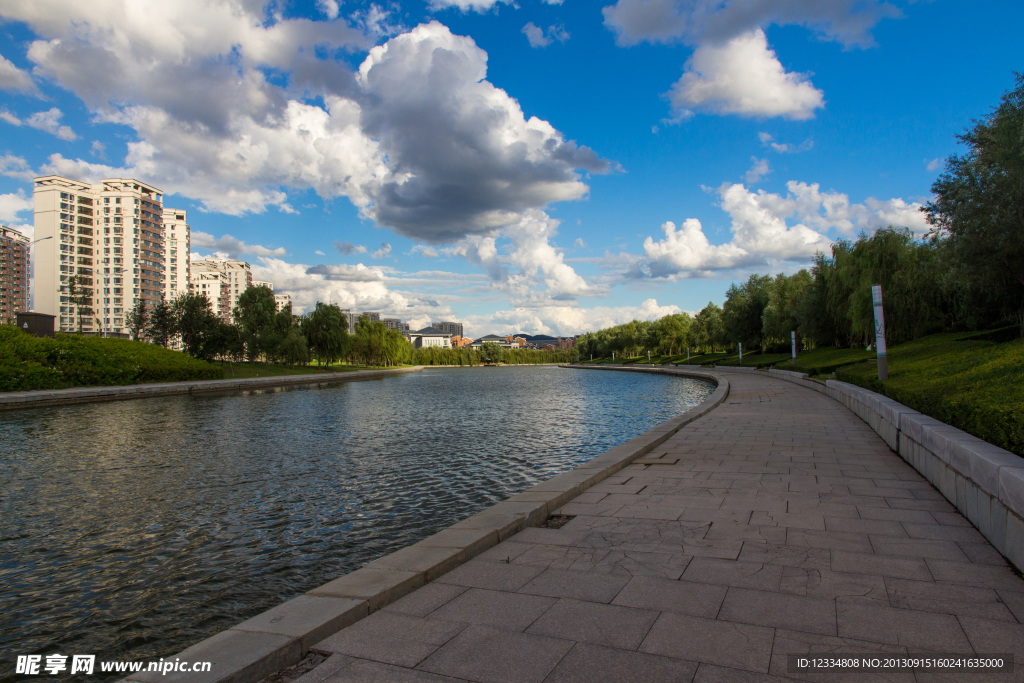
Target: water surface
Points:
(133, 529)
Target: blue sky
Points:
(531, 166)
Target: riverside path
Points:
(777, 524)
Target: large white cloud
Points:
(418, 139)
(743, 77)
(762, 233)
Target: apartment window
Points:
(106, 200)
(117, 200)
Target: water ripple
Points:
(131, 530)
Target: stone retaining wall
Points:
(281, 636)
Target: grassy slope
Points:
(965, 380)
(67, 360)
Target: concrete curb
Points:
(13, 400)
(281, 636)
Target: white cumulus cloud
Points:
(227, 246)
(16, 80)
(49, 121)
(769, 228)
(539, 38)
(13, 204)
(744, 77)
(758, 170)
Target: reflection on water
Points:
(133, 529)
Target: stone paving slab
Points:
(784, 526)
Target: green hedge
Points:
(67, 360)
(967, 381)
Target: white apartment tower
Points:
(176, 239)
(233, 277)
(110, 237)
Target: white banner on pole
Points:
(883, 363)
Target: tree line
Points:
(260, 332)
(967, 273)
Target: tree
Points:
(490, 352)
(326, 332)
(195, 323)
(979, 209)
(708, 330)
(781, 315)
(292, 348)
(254, 314)
(743, 312)
(138, 319)
(161, 324)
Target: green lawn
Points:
(69, 360)
(971, 381)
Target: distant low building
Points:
(493, 338)
(566, 343)
(430, 336)
(459, 342)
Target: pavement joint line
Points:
(280, 637)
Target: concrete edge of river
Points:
(13, 400)
(282, 636)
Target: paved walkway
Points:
(778, 524)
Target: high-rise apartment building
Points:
(395, 324)
(373, 316)
(283, 301)
(109, 237)
(351, 318)
(263, 283)
(452, 328)
(176, 245)
(234, 278)
(14, 262)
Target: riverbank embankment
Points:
(13, 400)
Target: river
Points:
(133, 529)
